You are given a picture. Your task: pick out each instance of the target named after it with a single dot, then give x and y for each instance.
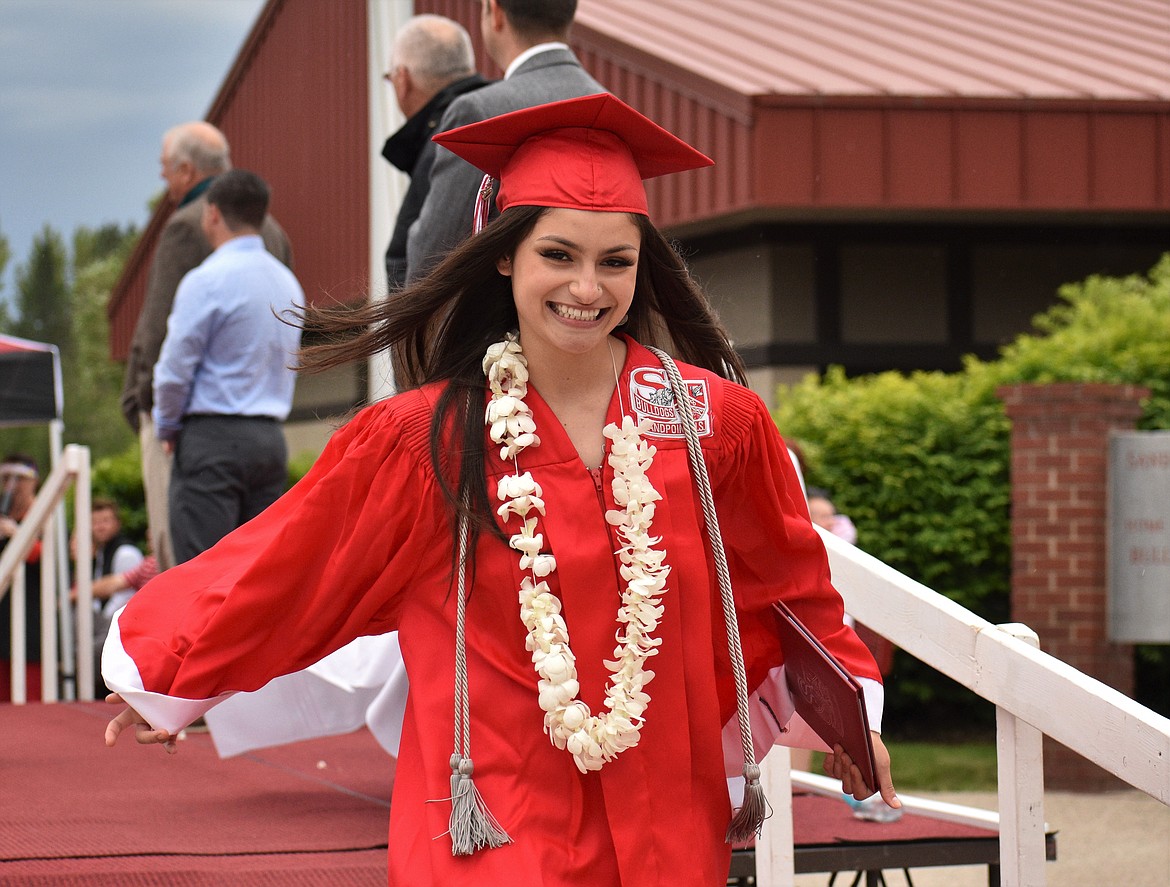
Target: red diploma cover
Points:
(829, 699)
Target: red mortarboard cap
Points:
(586, 153)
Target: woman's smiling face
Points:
(573, 278)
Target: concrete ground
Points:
(1111, 839)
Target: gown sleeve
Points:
(775, 553)
(326, 563)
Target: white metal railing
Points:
(1035, 694)
(41, 523)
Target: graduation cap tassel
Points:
(749, 818)
(483, 207)
(472, 826)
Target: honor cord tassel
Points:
(472, 826)
(748, 820)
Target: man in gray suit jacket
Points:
(527, 38)
(192, 155)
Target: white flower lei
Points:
(591, 739)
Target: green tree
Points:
(93, 382)
(106, 241)
(920, 462)
(42, 293)
(63, 301)
(5, 255)
(1105, 329)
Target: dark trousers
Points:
(227, 469)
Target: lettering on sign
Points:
(1139, 537)
(1140, 461)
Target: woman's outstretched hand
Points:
(144, 734)
(840, 766)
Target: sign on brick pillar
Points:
(1059, 460)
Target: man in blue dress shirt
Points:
(224, 379)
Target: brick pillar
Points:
(1060, 452)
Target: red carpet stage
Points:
(73, 812)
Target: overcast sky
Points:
(87, 87)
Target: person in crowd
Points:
(823, 513)
(526, 503)
(224, 379)
(528, 40)
(431, 64)
(118, 571)
(18, 488)
(193, 154)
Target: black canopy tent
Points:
(30, 382)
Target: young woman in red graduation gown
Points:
(597, 672)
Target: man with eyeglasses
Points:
(528, 39)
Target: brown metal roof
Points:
(840, 108)
(1050, 49)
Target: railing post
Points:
(77, 458)
(39, 522)
(64, 608)
(775, 854)
(1020, 763)
(49, 574)
(18, 646)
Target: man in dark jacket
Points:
(528, 40)
(431, 64)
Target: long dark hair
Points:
(438, 329)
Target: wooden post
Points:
(1020, 761)
(775, 854)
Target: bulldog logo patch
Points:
(651, 398)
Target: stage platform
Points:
(74, 813)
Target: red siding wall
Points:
(1056, 156)
(296, 111)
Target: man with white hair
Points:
(528, 39)
(431, 64)
(193, 154)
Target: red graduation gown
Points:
(363, 545)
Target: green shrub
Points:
(120, 478)
(1107, 329)
(920, 462)
(298, 467)
(898, 452)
